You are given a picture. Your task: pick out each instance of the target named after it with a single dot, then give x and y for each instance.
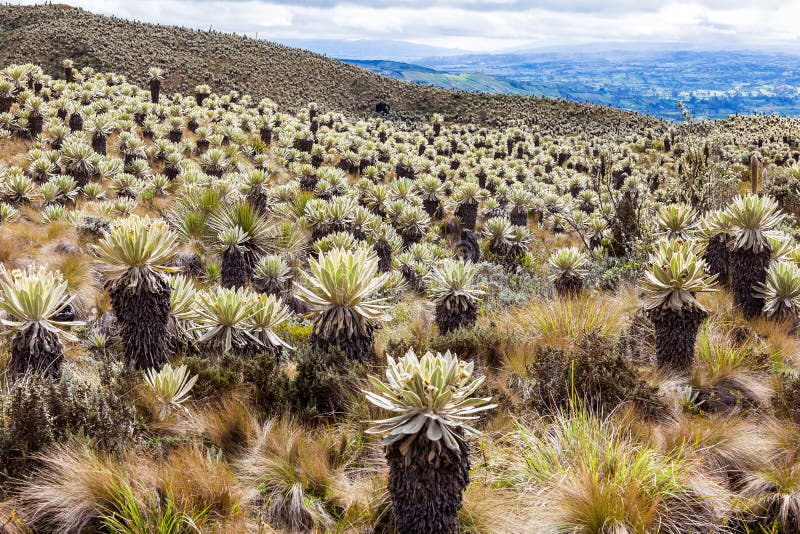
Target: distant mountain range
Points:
(370, 49)
(711, 84)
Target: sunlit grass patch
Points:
(594, 477)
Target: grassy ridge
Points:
(292, 77)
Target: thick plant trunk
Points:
(171, 172)
(431, 208)
(411, 236)
(468, 247)
(304, 145)
(568, 285)
(717, 258)
(746, 270)
(675, 336)
(234, 268)
(384, 253)
(270, 286)
(76, 122)
(468, 213)
(81, 178)
(308, 183)
(143, 313)
(36, 350)
(5, 103)
(411, 277)
(155, 89)
(258, 198)
(519, 217)
(455, 315)
(358, 345)
(99, 144)
(35, 125)
(266, 135)
(426, 493)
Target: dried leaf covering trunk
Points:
(234, 269)
(568, 285)
(341, 328)
(754, 173)
(426, 488)
(142, 309)
(747, 269)
(452, 314)
(468, 213)
(716, 257)
(676, 333)
(36, 350)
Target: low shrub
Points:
(506, 288)
(36, 412)
(259, 375)
(481, 343)
(593, 373)
(786, 399)
(325, 381)
(784, 188)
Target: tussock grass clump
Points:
(772, 490)
(594, 477)
(293, 478)
(560, 323)
(79, 488)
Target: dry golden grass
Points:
(728, 447)
(228, 424)
(487, 508)
(562, 323)
(772, 489)
(13, 150)
(412, 324)
(292, 477)
(15, 243)
(590, 475)
(197, 479)
(77, 486)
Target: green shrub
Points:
(259, 375)
(784, 187)
(268, 385)
(294, 333)
(213, 378)
(505, 288)
(482, 343)
(325, 381)
(786, 399)
(610, 272)
(37, 412)
(593, 373)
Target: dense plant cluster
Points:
(199, 291)
(188, 60)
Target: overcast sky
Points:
(483, 25)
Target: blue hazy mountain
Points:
(366, 49)
(462, 81)
(652, 79)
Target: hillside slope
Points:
(465, 81)
(292, 77)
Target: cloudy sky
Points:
(483, 25)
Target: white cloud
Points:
(482, 24)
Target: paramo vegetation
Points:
(222, 314)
